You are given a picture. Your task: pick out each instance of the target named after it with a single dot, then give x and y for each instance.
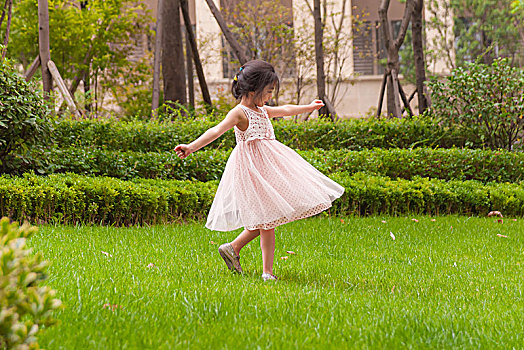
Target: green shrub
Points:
(371, 195)
(154, 136)
(486, 100)
(70, 198)
(26, 307)
(206, 165)
(24, 122)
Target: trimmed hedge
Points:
(71, 198)
(206, 165)
(358, 134)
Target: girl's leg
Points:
(244, 238)
(267, 244)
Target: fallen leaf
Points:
(342, 220)
(290, 252)
(433, 220)
(498, 234)
(392, 235)
(284, 257)
(112, 307)
(106, 253)
(211, 242)
(151, 265)
(415, 220)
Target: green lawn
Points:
(446, 283)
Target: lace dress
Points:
(265, 183)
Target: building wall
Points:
(358, 93)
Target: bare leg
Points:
(267, 244)
(244, 238)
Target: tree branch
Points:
(386, 28)
(8, 27)
(227, 33)
(408, 10)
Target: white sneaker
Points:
(269, 277)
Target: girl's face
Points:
(265, 96)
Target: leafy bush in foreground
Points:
(26, 307)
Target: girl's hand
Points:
(316, 104)
(182, 151)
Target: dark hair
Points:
(254, 76)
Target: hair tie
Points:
(235, 78)
(240, 70)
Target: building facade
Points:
(355, 72)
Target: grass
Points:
(446, 283)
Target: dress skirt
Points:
(266, 184)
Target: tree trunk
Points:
(418, 54)
(9, 5)
(392, 48)
(189, 70)
(85, 78)
(43, 43)
(237, 49)
(173, 54)
(319, 57)
(381, 95)
(32, 69)
(194, 53)
(157, 59)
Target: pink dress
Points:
(265, 183)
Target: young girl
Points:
(265, 183)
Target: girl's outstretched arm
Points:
(289, 110)
(231, 119)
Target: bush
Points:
(371, 195)
(26, 307)
(486, 100)
(24, 122)
(154, 136)
(70, 198)
(206, 165)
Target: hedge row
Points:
(206, 165)
(72, 198)
(359, 134)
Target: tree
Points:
(339, 25)
(227, 33)
(394, 89)
(418, 54)
(8, 8)
(485, 29)
(319, 58)
(157, 56)
(43, 44)
(92, 39)
(192, 53)
(173, 54)
(264, 31)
